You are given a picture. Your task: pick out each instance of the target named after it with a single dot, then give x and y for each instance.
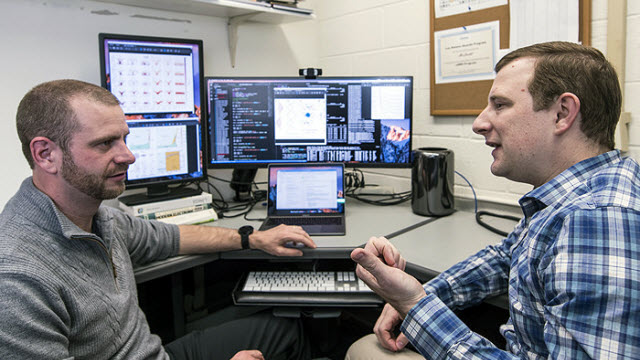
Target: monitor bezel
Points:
(163, 181)
(265, 164)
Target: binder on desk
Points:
(167, 205)
(188, 210)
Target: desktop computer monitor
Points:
(361, 121)
(159, 83)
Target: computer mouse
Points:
(293, 244)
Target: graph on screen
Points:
(153, 83)
(163, 150)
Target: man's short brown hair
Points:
(46, 111)
(581, 70)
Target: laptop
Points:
(310, 195)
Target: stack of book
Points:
(196, 209)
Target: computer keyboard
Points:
(304, 281)
(321, 288)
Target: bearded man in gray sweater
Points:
(66, 262)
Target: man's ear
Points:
(568, 111)
(46, 154)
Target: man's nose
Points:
(125, 156)
(481, 125)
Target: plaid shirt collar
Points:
(555, 189)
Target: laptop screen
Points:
(314, 189)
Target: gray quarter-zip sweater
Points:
(69, 294)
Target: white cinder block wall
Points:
(45, 40)
(54, 39)
(390, 37)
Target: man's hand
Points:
(385, 251)
(398, 288)
(384, 329)
(279, 240)
(248, 355)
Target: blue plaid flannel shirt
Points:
(571, 268)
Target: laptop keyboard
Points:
(305, 221)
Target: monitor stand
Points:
(241, 182)
(156, 193)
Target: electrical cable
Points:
(480, 214)
(387, 200)
(475, 198)
(355, 180)
(218, 204)
(223, 207)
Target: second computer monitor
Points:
(361, 121)
(159, 83)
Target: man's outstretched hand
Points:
(381, 266)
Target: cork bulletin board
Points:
(470, 97)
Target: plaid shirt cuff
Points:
(433, 328)
(441, 288)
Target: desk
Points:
(444, 242)
(362, 220)
(430, 245)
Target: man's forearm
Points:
(196, 239)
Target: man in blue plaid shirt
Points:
(571, 267)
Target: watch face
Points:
(246, 230)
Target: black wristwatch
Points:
(244, 232)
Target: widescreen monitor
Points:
(159, 83)
(360, 121)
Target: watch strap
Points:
(244, 232)
(244, 241)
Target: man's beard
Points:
(89, 184)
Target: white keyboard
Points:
(305, 281)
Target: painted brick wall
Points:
(390, 37)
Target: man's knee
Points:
(368, 347)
